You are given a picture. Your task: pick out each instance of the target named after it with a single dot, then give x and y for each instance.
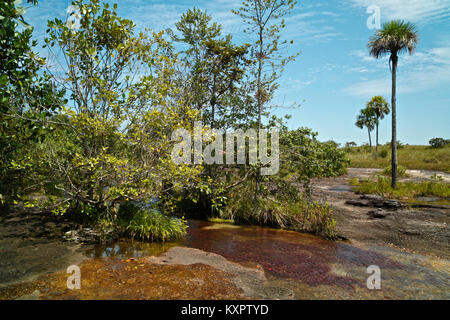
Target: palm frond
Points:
(393, 38)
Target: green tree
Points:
(381, 108)
(195, 29)
(27, 98)
(215, 68)
(115, 141)
(224, 66)
(439, 142)
(303, 156)
(366, 118)
(392, 39)
(213, 81)
(265, 22)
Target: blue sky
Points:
(334, 76)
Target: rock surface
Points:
(375, 201)
(251, 280)
(90, 236)
(378, 213)
(30, 245)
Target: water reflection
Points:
(282, 253)
(126, 248)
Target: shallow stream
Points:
(227, 261)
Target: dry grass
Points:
(410, 157)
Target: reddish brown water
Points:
(304, 265)
(285, 254)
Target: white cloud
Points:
(419, 11)
(291, 84)
(416, 73)
(311, 27)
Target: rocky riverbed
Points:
(225, 261)
(370, 219)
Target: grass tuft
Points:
(154, 226)
(401, 171)
(146, 222)
(301, 215)
(407, 190)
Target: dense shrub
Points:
(300, 215)
(439, 142)
(303, 156)
(128, 96)
(400, 145)
(144, 221)
(150, 224)
(277, 201)
(383, 153)
(365, 148)
(333, 143)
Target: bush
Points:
(400, 145)
(350, 147)
(439, 142)
(401, 171)
(333, 143)
(365, 148)
(302, 155)
(150, 224)
(299, 215)
(383, 153)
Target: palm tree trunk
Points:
(376, 148)
(394, 121)
(370, 139)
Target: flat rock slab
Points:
(251, 280)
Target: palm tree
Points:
(380, 107)
(366, 118)
(393, 38)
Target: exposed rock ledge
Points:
(251, 280)
(367, 200)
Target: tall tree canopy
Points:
(27, 97)
(215, 69)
